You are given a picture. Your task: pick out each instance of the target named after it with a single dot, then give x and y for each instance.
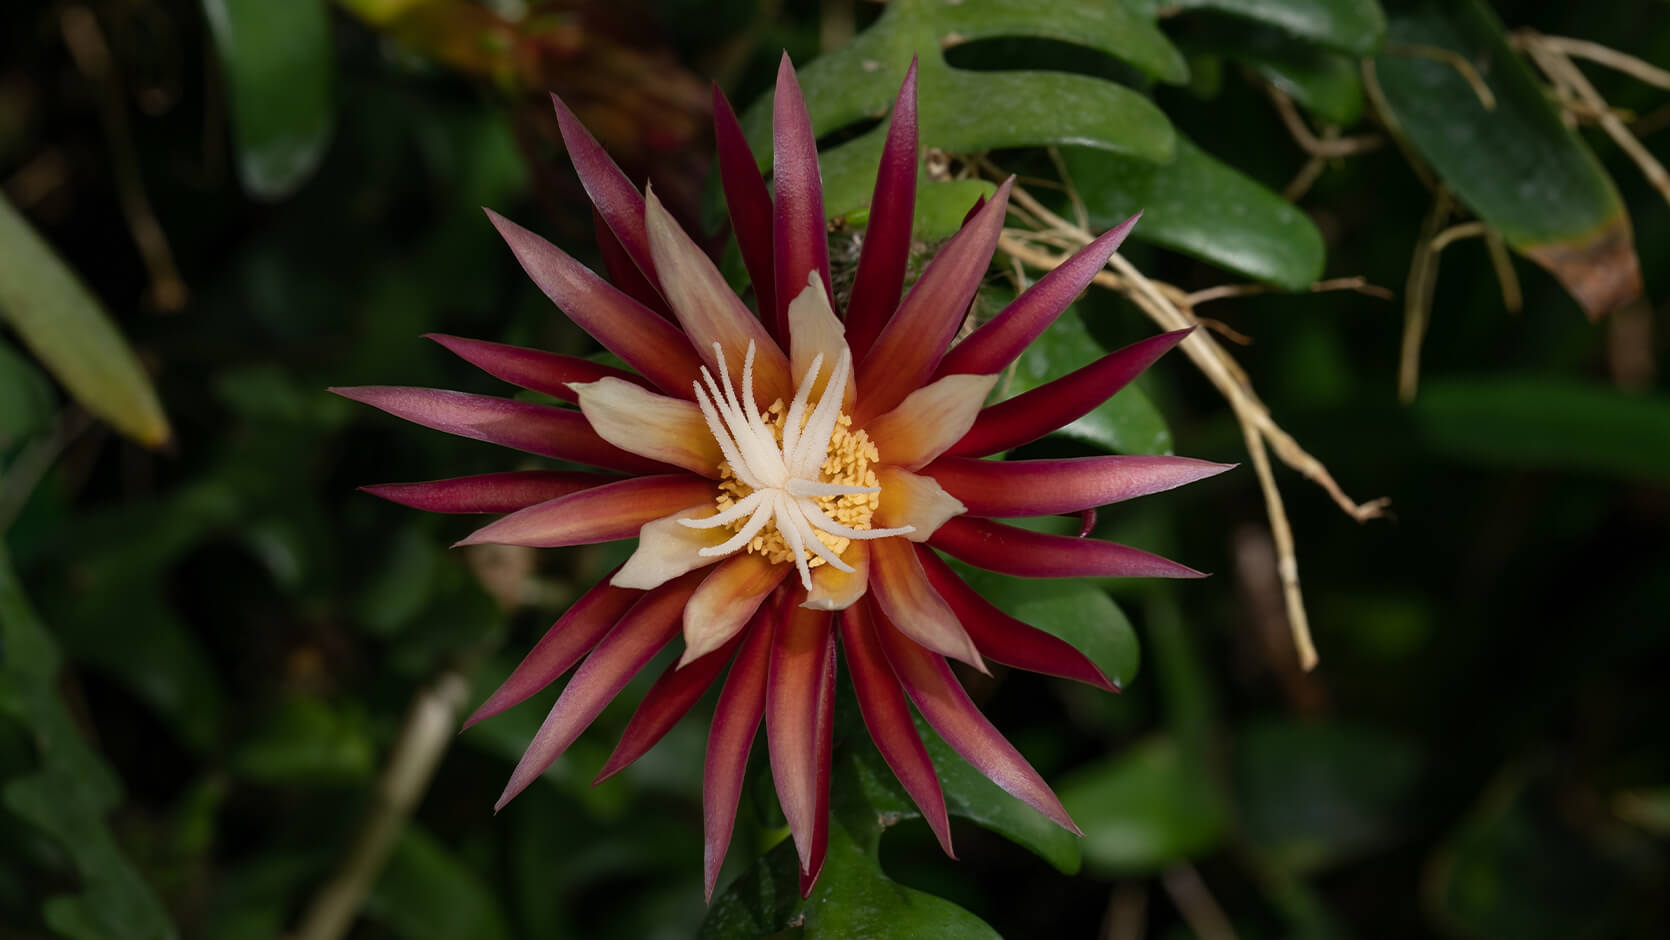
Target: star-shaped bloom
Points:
(791, 477)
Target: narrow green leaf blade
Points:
(1120, 32)
(277, 61)
(1353, 26)
(1516, 165)
(1203, 208)
(66, 328)
(1525, 422)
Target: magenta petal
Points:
(648, 343)
(623, 271)
(1003, 638)
(886, 252)
(1010, 550)
(1050, 487)
(537, 429)
(666, 702)
(600, 514)
(617, 200)
(801, 686)
(800, 232)
(651, 623)
(571, 637)
(1031, 415)
(993, 346)
(887, 716)
(534, 369)
(736, 718)
(749, 203)
(488, 492)
(946, 707)
(910, 346)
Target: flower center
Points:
(796, 482)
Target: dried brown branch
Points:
(1454, 60)
(1308, 141)
(1199, 909)
(1417, 295)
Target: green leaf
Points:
(1127, 423)
(964, 111)
(1353, 26)
(25, 398)
(1109, 27)
(427, 893)
(853, 898)
(1327, 83)
(1203, 208)
(65, 327)
(1315, 794)
(1144, 809)
(1516, 166)
(307, 741)
(277, 61)
(1076, 611)
(73, 790)
(1525, 422)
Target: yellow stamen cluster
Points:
(851, 455)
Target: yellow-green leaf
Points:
(63, 324)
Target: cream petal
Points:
(814, 329)
(834, 589)
(635, 419)
(666, 550)
(930, 420)
(910, 499)
(726, 601)
(708, 309)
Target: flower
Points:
(789, 477)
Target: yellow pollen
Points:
(847, 463)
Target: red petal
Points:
(749, 203)
(735, 720)
(488, 492)
(887, 715)
(1031, 415)
(992, 347)
(801, 234)
(1005, 639)
(946, 707)
(900, 588)
(653, 346)
(908, 349)
(533, 369)
(798, 699)
(1051, 487)
(666, 702)
(600, 514)
(571, 637)
(623, 271)
(651, 623)
(537, 429)
(1010, 550)
(617, 200)
(882, 261)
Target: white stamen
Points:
(783, 476)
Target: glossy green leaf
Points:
(72, 792)
(1203, 208)
(1143, 809)
(25, 398)
(1313, 794)
(67, 329)
(1327, 83)
(1117, 30)
(1353, 26)
(1524, 422)
(1516, 166)
(964, 111)
(1127, 423)
(853, 898)
(1076, 611)
(277, 61)
(428, 893)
